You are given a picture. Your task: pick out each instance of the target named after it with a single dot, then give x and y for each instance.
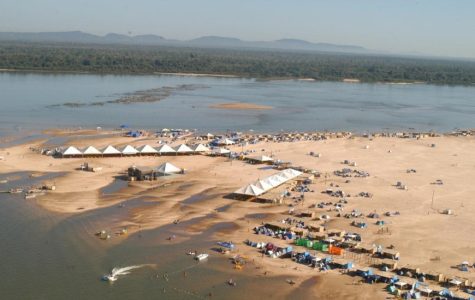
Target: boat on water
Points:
(16, 191)
(116, 272)
(30, 196)
(191, 253)
(201, 256)
(109, 277)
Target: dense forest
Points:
(248, 63)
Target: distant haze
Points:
(425, 27)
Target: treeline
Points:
(251, 63)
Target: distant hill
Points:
(150, 39)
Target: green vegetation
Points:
(252, 63)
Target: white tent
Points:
(129, 150)
(91, 150)
(110, 150)
(168, 168)
(71, 151)
(163, 149)
(183, 149)
(147, 149)
(250, 190)
(291, 172)
(261, 158)
(200, 148)
(225, 141)
(221, 151)
(263, 185)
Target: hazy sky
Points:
(438, 27)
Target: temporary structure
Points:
(200, 148)
(268, 183)
(168, 168)
(147, 150)
(111, 151)
(224, 141)
(221, 151)
(250, 190)
(91, 151)
(165, 149)
(260, 159)
(129, 150)
(183, 149)
(71, 151)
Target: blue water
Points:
(26, 98)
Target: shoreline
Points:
(198, 198)
(230, 76)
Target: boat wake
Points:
(116, 272)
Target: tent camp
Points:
(200, 148)
(71, 151)
(221, 151)
(91, 151)
(168, 168)
(224, 141)
(261, 159)
(111, 151)
(250, 190)
(264, 185)
(165, 149)
(147, 150)
(183, 149)
(129, 150)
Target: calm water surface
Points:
(26, 98)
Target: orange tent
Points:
(335, 250)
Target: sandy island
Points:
(240, 106)
(424, 236)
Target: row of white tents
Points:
(264, 185)
(72, 151)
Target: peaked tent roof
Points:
(165, 149)
(147, 149)
(263, 185)
(129, 150)
(200, 148)
(225, 141)
(262, 158)
(221, 151)
(168, 168)
(91, 150)
(291, 172)
(250, 190)
(71, 150)
(110, 150)
(183, 149)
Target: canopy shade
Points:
(92, 150)
(147, 149)
(71, 150)
(168, 168)
(110, 150)
(165, 149)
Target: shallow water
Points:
(298, 105)
(57, 256)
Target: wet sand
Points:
(420, 233)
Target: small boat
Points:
(109, 277)
(201, 256)
(228, 245)
(16, 191)
(231, 282)
(191, 253)
(30, 196)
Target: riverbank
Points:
(198, 199)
